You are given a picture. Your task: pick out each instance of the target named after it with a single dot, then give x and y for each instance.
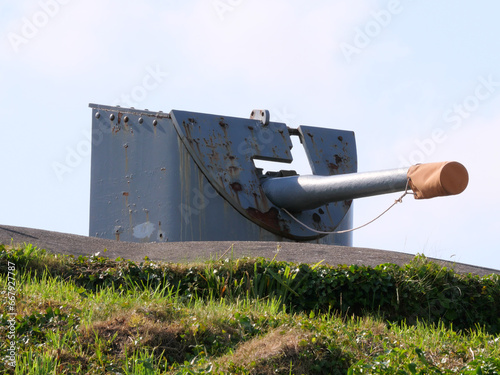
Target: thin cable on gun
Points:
(399, 200)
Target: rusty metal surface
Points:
(129, 174)
(329, 151)
(224, 149)
(185, 176)
(146, 187)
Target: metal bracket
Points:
(262, 115)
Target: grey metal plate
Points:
(330, 151)
(224, 149)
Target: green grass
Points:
(93, 315)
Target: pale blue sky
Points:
(410, 70)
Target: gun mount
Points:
(186, 176)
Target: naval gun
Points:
(187, 176)
(299, 193)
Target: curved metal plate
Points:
(224, 149)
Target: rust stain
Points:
(333, 168)
(236, 186)
(233, 170)
(129, 218)
(261, 199)
(338, 159)
(126, 193)
(255, 197)
(330, 218)
(160, 232)
(269, 218)
(340, 138)
(120, 116)
(126, 159)
(187, 129)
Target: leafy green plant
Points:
(95, 315)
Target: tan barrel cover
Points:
(437, 179)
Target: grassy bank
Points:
(94, 315)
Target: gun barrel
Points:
(300, 193)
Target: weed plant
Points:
(94, 315)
